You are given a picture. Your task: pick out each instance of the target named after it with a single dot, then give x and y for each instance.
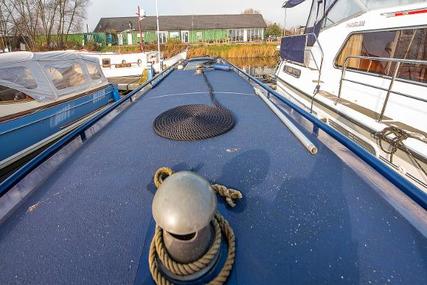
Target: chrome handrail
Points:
(398, 62)
(402, 183)
(322, 53)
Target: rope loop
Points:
(230, 195)
(158, 252)
(161, 174)
(395, 137)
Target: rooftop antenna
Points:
(158, 36)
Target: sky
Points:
(271, 9)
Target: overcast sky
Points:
(271, 9)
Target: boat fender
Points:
(116, 95)
(223, 67)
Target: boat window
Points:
(65, 75)
(292, 71)
(376, 4)
(18, 75)
(402, 44)
(94, 71)
(343, 10)
(10, 95)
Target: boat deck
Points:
(125, 83)
(304, 219)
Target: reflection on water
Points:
(262, 68)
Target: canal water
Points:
(261, 68)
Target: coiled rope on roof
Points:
(195, 121)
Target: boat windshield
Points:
(376, 4)
(329, 12)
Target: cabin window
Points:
(10, 95)
(94, 71)
(106, 62)
(65, 75)
(18, 75)
(292, 71)
(402, 44)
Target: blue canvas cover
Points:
(292, 48)
(311, 31)
(292, 3)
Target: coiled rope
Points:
(395, 142)
(221, 226)
(195, 121)
(395, 137)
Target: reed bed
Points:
(258, 50)
(235, 50)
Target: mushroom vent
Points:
(183, 207)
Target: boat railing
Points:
(403, 184)
(389, 90)
(80, 131)
(318, 65)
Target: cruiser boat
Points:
(132, 64)
(361, 67)
(124, 64)
(206, 175)
(45, 95)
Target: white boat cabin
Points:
(30, 80)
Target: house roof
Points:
(185, 22)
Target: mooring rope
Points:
(397, 141)
(195, 121)
(221, 227)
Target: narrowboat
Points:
(205, 175)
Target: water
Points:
(261, 68)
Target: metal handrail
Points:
(403, 184)
(316, 90)
(19, 174)
(398, 62)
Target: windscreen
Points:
(48, 78)
(376, 4)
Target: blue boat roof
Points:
(304, 219)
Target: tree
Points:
(251, 11)
(23, 18)
(273, 30)
(4, 27)
(48, 20)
